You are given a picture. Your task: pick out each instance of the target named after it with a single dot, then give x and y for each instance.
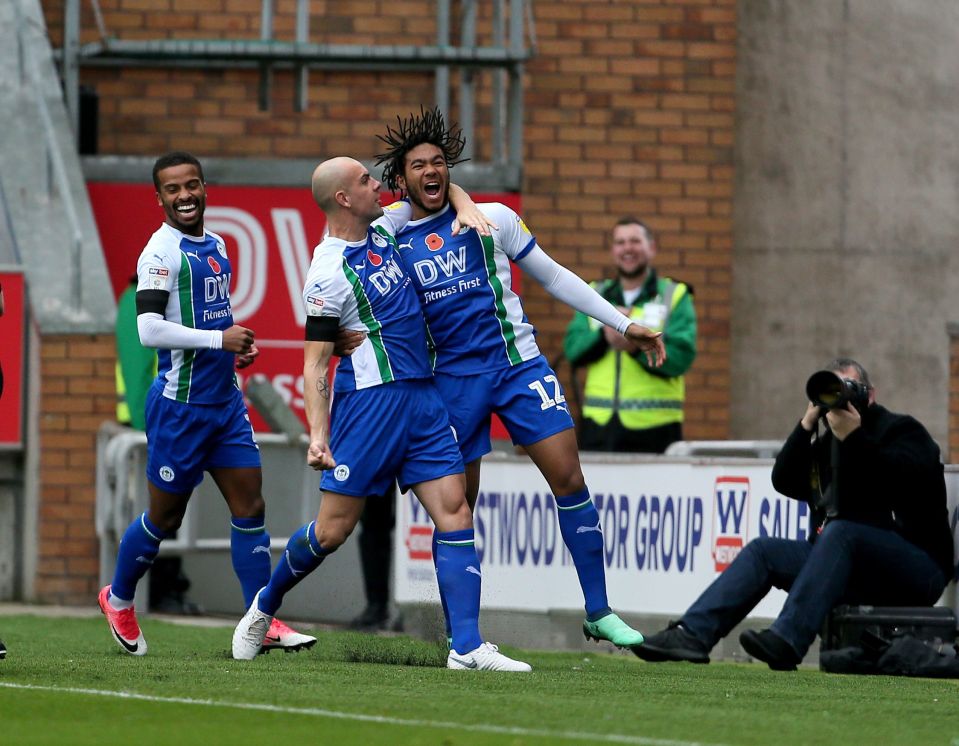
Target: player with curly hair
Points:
(464, 282)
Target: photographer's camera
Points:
(827, 390)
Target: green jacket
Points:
(136, 365)
(642, 396)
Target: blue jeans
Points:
(849, 563)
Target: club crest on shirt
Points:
(379, 240)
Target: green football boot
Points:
(613, 629)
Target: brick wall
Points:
(77, 393)
(629, 110)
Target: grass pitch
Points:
(66, 682)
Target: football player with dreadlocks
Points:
(464, 285)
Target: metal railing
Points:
(121, 494)
(511, 24)
(725, 448)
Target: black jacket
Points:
(890, 476)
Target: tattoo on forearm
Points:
(323, 388)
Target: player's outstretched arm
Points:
(316, 399)
(564, 285)
(650, 342)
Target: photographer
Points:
(879, 530)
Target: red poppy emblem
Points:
(375, 259)
(434, 242)
(214, 264)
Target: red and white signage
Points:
(11, 359)
(270, 233)
(730, 514)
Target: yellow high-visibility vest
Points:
(123, 408)
(617, 383)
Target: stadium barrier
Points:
(671, 524)
(292, 497)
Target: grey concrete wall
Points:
(47, 222)
(846, 220)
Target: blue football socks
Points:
(138, 549)
(579, 525)
(250, 550)
(459, 578)
(302, 556)
(446, 610)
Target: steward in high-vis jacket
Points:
(627, 404)
(136, 366)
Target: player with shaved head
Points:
(386, 421)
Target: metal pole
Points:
(266, 70)
(71, 66)
(21, 43)
(498, 113)
(442, 83)
(302, 71)
(516, 16)
(467, 88)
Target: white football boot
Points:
(250, 632)
(484, 658)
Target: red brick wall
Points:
(629, 110)
(77, 393)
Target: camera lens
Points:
(826, 389)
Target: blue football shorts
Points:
(184, 440)
(398, 430)
(528, 398)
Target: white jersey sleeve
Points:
(566, 286)
(326, 292)
(158, 266)
(155, 331)
(395, 217)
(513, 237)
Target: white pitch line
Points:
(359, 717)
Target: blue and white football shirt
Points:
(475, 320)
(196, 273)
(365, 286)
